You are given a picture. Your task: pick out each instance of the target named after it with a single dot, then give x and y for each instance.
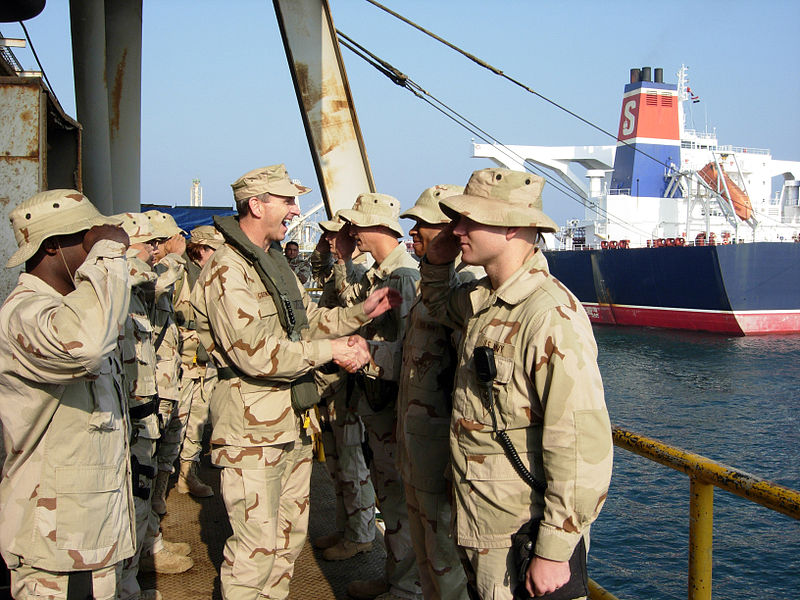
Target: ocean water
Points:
(734, 400)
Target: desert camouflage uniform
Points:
(170, 270)
(65, 491)
(424, 406)
(385, 338)
(301, 266)
(198, 376)
(140, 369)
(355, 496)
(549, 399)
(259, 439)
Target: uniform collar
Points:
(522, 283)
(392, 261)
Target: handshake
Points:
(351, 353)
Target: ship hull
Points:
(737, 289)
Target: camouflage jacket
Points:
(301, 268)
(424, 401)
(170, 270)
(237, 322)
(65, 493)
(548, 398)
(139, 354)
(384, 334)
(187, 325)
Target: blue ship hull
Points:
(740, 289)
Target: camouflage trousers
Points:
(143, 448)
(174, 415)
(28, 583)
(355, 496)
(441, 572)
(401, 565)
(490, 572)
(198, 413)
(268, 512)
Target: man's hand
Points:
(105, 232)
(343, 245)
(350, 353)
(444, 247)
(546, 576)
(175, 245)
(382, 300)
(323, 245)
(145, 252)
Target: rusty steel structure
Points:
(326, 104)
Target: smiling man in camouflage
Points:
(547, 394)
(258, 324)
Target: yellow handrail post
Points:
(701, 537)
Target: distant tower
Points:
(196, 194)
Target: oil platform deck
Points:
(204, 524)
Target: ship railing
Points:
(704, 475)
(742, 149)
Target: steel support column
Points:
(701, 538)
(123, 26)
(87, 18)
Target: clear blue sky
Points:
(217, 97)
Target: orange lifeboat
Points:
(740, 200)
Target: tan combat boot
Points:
(345, 549)
(160, 492)
(190, 483)
(149, 595)
(181, 548)
(165, 561)
(326, 541)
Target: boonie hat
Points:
(273, 179)
(373, 209)
(334, 225)
(208, 236)
(51, 213)
(502, 198)
(138, 227)
(164, 225)
(427, 208)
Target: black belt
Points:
(224, 373)
(144, 410)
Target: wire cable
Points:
(38, 62)
(401, 79)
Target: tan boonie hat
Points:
(207, 235)
(163, 224)
(334, 225)
(138, 227)
(427, 207)
(503, 198)
(373, 209)
(51, 213)
(273, 179)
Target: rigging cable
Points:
(38, 62)
(407, 83)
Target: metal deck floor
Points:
(204, 524)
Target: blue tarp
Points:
(189, 217)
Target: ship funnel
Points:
(658, 75)
(636, 75)
(645, 73)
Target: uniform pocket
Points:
(89, 505)
(428, 447)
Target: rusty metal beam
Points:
(776, 497)
(326, 105)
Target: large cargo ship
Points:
(679, 231)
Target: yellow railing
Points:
(704, 474)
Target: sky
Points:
(218, 100)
